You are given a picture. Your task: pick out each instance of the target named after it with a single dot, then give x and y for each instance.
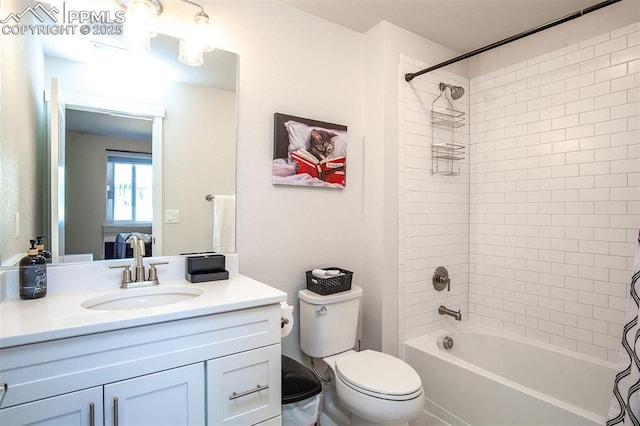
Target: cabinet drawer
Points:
(244, 388)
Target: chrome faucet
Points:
(139, 278)
(442, 310)
(138, 253)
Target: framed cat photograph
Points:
(309, 152)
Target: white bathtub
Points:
(488, 378)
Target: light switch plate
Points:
(172, 216)
(16, 225)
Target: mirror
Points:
(197, 151)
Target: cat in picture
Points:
(322, 143)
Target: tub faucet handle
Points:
(441, 279)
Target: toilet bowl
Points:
(369, 387)
(378, 388)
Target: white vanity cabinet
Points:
(180, 372)
(174, 397)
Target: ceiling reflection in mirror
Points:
(198, 133)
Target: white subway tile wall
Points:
(434, 209)
(551, 193)
(555, 194)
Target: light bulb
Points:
(139, 26)
(195, 41)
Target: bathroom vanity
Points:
(211, 357)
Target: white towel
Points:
(326, 273)
(224, 223)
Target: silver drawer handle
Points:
(116, 421)
(92, 414)
(249, 392)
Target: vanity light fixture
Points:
(195, 40)
(139, 28)
(139, 25)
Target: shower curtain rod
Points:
(579, 13)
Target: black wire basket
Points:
(329, 285)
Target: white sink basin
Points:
(140, 298)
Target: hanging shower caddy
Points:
(444, 120)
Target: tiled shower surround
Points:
(554, 198)
(434, 209)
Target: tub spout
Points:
(442, 310)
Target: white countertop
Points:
(60, 314)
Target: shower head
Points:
(456, 91)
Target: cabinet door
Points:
(169, 398)
(244, 389)
(79, 408)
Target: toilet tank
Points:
(328, 324)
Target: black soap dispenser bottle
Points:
(41, 250)
(33, 274)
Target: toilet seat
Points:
(379, 375)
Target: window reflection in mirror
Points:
(129, 187)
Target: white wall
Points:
(199, 158)
(555, 192)
(295, 64)
(20, 137)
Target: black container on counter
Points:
(208, 267)
(33, 274)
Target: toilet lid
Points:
(393, 377)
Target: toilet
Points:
(373, 388)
